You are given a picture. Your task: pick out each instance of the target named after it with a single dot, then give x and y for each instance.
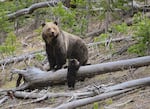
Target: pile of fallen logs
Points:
(34, 78)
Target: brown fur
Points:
(61, 45)
(73, 67)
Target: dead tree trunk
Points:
(35, 78)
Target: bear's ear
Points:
(55, 23)
(43, 24)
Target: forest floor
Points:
(137, 99)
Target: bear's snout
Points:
(52, 33)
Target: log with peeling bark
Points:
(35, 78)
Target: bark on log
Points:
(35, 78)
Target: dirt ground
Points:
(136, 99)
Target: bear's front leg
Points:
(60, 58)
(60, 62)
(52, 63)
(51, 57)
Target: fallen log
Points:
(85, 92)
(32, 8)
(83, 102)
(4, 99)
(21, 57)
(108, 92)
(35, 78)
(81, 94)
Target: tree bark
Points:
(35, 78)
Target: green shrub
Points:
(141, 35)
(9, 47)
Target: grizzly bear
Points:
(61, 46)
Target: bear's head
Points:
(50, 31)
